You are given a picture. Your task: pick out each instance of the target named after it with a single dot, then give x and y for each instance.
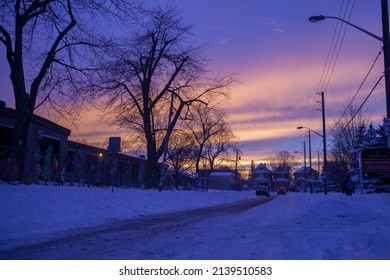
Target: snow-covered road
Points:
(133, 239)
(295, 226)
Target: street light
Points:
(310, 175)
(315, 19)
(385, 41)
(310, 166)
(301, 127)
(304, 163)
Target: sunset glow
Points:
(279, 58)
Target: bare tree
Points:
(155, 74)
(345, 134)
(211, 133)
(48, 43)
(220, 147)
(181, 153)
(197, 140)
(283, 159)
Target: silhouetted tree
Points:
(211, 133)
(154, 73)
(220, 148)
(48, 44)
(283, 159)
(347, 134)
(181, 152)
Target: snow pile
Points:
(30, 211)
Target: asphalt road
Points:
(140, 238)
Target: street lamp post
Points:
(304, 163)
(310, 175)
(310, 166)
(314, 19)
(386, 46)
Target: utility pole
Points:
(310, 167)
(386, 52)
(236, 171)
(318, 162)
(252, 172)
(325, 170)
(304, 162)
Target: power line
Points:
(341, 44)
(360, 107)
(358, 90)
(365, 100)
(332, 57)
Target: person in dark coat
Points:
(348, 186)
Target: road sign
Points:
(376, 163)
(387, 127)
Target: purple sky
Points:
(279, 57)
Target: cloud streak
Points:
(273, 24)
(280, 59)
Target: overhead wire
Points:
(360, 107)
(364, 102)
(332, 58)
(358, 90)
(326, 66)
(340, 45)
(328, 71)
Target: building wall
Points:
(42, 134)
(88, 165)
(222, 181)
(75, 162)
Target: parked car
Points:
(281, 190)
(262, 191)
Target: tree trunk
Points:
(19, 142)
(151, 176)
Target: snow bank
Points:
(34, 210)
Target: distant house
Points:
(223, 178)
(305, 178)
(262, 175)
(281, 177)
(222, 181)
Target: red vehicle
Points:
(281, 190)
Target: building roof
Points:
(281, 169)
(11, 113)
(302, 170)
(262, 168)
(221, 174)
(76, 145)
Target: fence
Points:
(83, 171)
